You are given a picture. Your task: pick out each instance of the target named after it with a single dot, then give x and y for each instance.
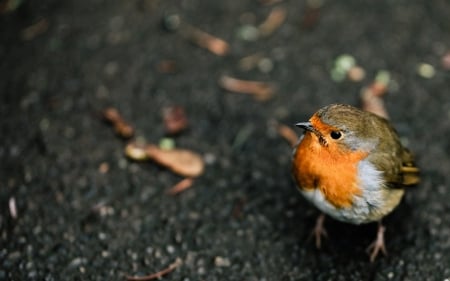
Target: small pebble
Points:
(210, 158)
(426, 70)
(167, 143)
(337, 75)
(44, 124)
(265, 65)
(103, 168)
(170, 249)
(342, 65)
(77, 262)
(12, 208)
(111, 68)
(445, 61)
(221, 262)
(172, 22)
(345, 62)
(383, 77)
(105, 254)
(14, 255)
(248, 32)
(102, 236)
(201, 271)
(356, 73)
(32, 274)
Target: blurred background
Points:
(207, 93)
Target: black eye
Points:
(335, 135)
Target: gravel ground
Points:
(85, 212)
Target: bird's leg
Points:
(378, 244)
(319, 230)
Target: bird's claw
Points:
(377, 245)
(319, 231)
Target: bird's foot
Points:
(378, 244)
(319, 231)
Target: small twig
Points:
(180, 186)
(158, 274)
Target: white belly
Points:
(374, 203)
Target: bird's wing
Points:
(399, 169)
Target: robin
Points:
(351, 165)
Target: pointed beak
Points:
(305, 125)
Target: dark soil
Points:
(243, 218)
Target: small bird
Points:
(352, 166)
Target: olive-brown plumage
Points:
(352, 166)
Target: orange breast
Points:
(328, 168)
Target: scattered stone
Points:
(221, 262)
(426, 70)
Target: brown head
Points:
(349, 128)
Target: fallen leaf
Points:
(288, 134)
(180, 186)
(205, 40)
(136, 152)
(260, 90)
(181, 161)
(273, 21)
(175, 119)
(122, 128)
(373, 102)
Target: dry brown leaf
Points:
(122, 128)
(373, 102)
(288, 134)
(214, 44)
(259, 90)
(175, 119)
(136, 152)
(180, 186)
(273, 21)
(181, 161)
